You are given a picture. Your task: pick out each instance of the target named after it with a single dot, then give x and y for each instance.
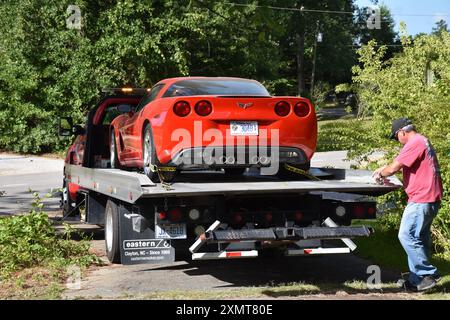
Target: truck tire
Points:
(112, 235)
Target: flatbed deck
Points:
(131, 186)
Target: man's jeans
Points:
(415, 237)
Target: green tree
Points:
(441, 26)
(401, 87)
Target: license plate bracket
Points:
(171, 231)
(244, 128)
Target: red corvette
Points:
(205, 122)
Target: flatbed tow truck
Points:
(217, 217)
(209, 215)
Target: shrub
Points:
(30, 240)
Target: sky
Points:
(419, 15)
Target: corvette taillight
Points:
(301, 109)
(203, 108)
(182, 108)
(282, 108)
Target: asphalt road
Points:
(329, 273)
(19, 174)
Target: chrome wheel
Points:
(109, 230)
(147, 151)
(112, 148)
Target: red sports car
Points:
(208, 122)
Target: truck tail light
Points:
(359, 211)
(268, 216)
(282, 108)
(203, 108)
(162, 216)
(175, 215)
(237, 218)
(182, 108)
(301, 109)
(298, 216)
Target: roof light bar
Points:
(126, 90)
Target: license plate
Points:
(244, 128)
(171, 231)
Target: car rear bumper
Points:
(245, 156)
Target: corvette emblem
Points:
(245, 105)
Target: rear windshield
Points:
(196, 87)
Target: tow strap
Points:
(160, 171)
(300, 172)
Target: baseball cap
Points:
(397, 125)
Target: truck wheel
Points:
(149, 154)
(112, 242)
(115, 164)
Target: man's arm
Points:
(391, 169)
(387, 171)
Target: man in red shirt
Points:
(423, 185)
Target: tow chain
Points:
(300, 172)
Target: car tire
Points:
(68, 206)
(112, 235)
(285, 174)
(114, 158)
(149, 153)
(234, 171)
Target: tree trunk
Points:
(301, 61)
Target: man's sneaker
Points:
(427, 283)
(436, 277)
(405, 284)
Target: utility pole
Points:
(318, 38)
(300, 55)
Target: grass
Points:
(290, 290)
(383, 248)
(33, 283)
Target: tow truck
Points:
(207, 214)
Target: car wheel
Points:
(114, 159)
(149, 154)
(285, 174)
(112, 241)
(68, 206)
(234, 171)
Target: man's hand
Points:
(377, 177)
